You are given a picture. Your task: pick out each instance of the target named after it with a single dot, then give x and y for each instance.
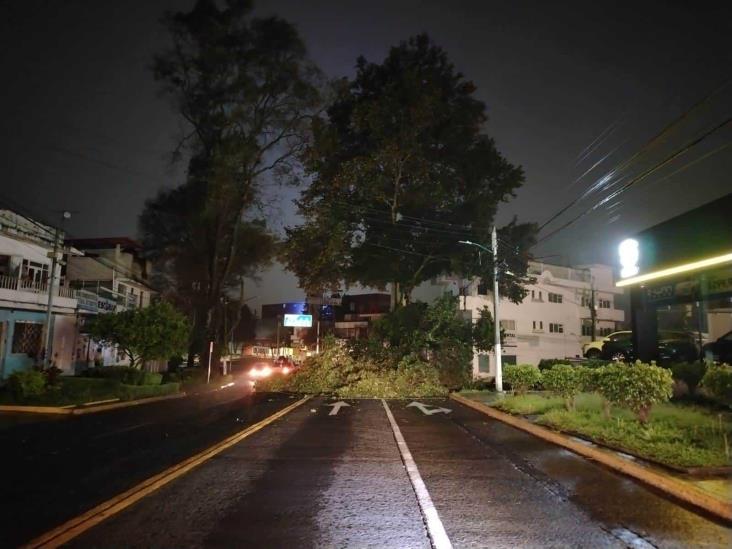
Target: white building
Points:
(554, 319)
(111, 276)
(25, 264)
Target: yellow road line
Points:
(78, 525)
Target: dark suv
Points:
(672, 347)
(720, 350)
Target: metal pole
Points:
(496, 318)
(210, 353)
(49, 309)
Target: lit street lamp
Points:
(496, 322)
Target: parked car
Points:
(672, 347)
(720, 350)
(593, 349)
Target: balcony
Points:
(16, 292)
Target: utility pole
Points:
(51, 281)
(496, 318)
(593, 310)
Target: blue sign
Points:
(299, 321)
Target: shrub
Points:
(125, 374)
(79, 390)
(132, 392)
(690, 373)
(453, 362)
(565, 381)
(636, 386)
(52, 375)
(549, 363)
(26, 384)
(521, 377)
(718, 381)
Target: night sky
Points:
(85, 129)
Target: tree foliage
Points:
(521, 377)
(636, 386)
(155, 332)
(400, 170)
(245, 90)
(564, 380)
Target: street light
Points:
(496, 322)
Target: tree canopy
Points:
(400, 170)
(155, 332)
(245, 90)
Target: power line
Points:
(638, 178)
(640, 152)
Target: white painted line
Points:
(435, 529)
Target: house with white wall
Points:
(25, 263)
(111, 276)
(554, 319)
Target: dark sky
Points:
(84, 128)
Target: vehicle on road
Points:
(720, 350)
(672, 347)
(280, 366)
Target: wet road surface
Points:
(313, 479)
(54, 470)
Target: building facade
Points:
(25, 270)
(553, 321)
(679, 274)
(111, 276)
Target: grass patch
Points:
(676, 434)
(528, 405)
(80, 390)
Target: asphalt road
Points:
(312, 479)
(55, 470)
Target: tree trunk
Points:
(643, 414)
(606, 408)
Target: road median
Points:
(672, 487)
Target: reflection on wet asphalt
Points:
(315, 480)
(616, 503)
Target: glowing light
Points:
(286, 370)
(629, 255)
(687, 267)
(227, 385)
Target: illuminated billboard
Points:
(299, 321)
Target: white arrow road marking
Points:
(337, 407)
(426, 411)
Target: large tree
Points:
(245, 90)
(400, 171)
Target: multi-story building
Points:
(553, 321)
(26, 249)
(112, 275)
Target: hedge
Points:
(521, 377)
(125, 374)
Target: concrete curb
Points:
(670, 486)
(84, 409)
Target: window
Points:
(605, 331)
(5, 265)
(482, 289)
(536, 295)
(34, 273)
(27, 338)
(508, 325)
(555, 298)
(586, 301)
(587, 329)
(619, 336)
(538, 325)
(556, 328)
(604, 304)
